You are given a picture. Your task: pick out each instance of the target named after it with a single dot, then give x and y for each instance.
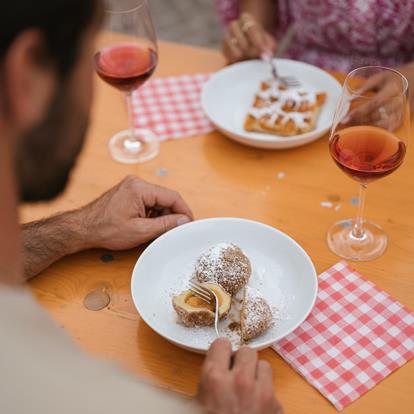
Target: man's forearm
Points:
(46, 241)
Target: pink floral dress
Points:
(342, 34)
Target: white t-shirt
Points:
(42, 371)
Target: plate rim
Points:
(153, 245)
(265, 138)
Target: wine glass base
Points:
(123, 150)
(344, 244)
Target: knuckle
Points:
(243, 382)
(221, 341)
(164, 224)
(214, 376)
(146, 227)
(175, 194)
(247, 352)
(221, 344)
(131, 181)
(130, 178)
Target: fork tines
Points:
(200, 291)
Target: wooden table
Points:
(219, 177)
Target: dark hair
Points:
(61, 21)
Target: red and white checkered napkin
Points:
(171, 106)
(355, 336)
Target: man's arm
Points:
(46, 241)
(131, 213)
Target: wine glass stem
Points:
(358, 230)
(133, 139)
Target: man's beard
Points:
(48, 152)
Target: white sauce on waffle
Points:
(274, 110)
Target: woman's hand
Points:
(246, 39)
(387, 109)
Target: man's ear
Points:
(29, 82)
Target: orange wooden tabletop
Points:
(219, 177)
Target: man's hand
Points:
(132, 213)
(244, 388)
(246, 38)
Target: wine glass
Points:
(126, 61)
(368, 141)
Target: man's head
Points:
(46, 87)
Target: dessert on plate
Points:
(226, 270)
(193, 311)
(256, 315)
(226, 265)
(285, 111)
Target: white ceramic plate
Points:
(282, 272)
(228, 94)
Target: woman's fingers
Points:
(373, 83)
(239, 37)
(231, 49)
(247, 39)
(255, 34)
(384, 109)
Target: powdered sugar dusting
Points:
(214, 252)
(226, 265)
(256, 314)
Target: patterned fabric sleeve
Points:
(342, 35)
(227, 10)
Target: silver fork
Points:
(208, 296)
(288, 81)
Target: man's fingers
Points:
(151, 228)
(246, 361)
(265, 385)
(159, 197)
(219, 355)
(264, 372)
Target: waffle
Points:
(283, 111)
